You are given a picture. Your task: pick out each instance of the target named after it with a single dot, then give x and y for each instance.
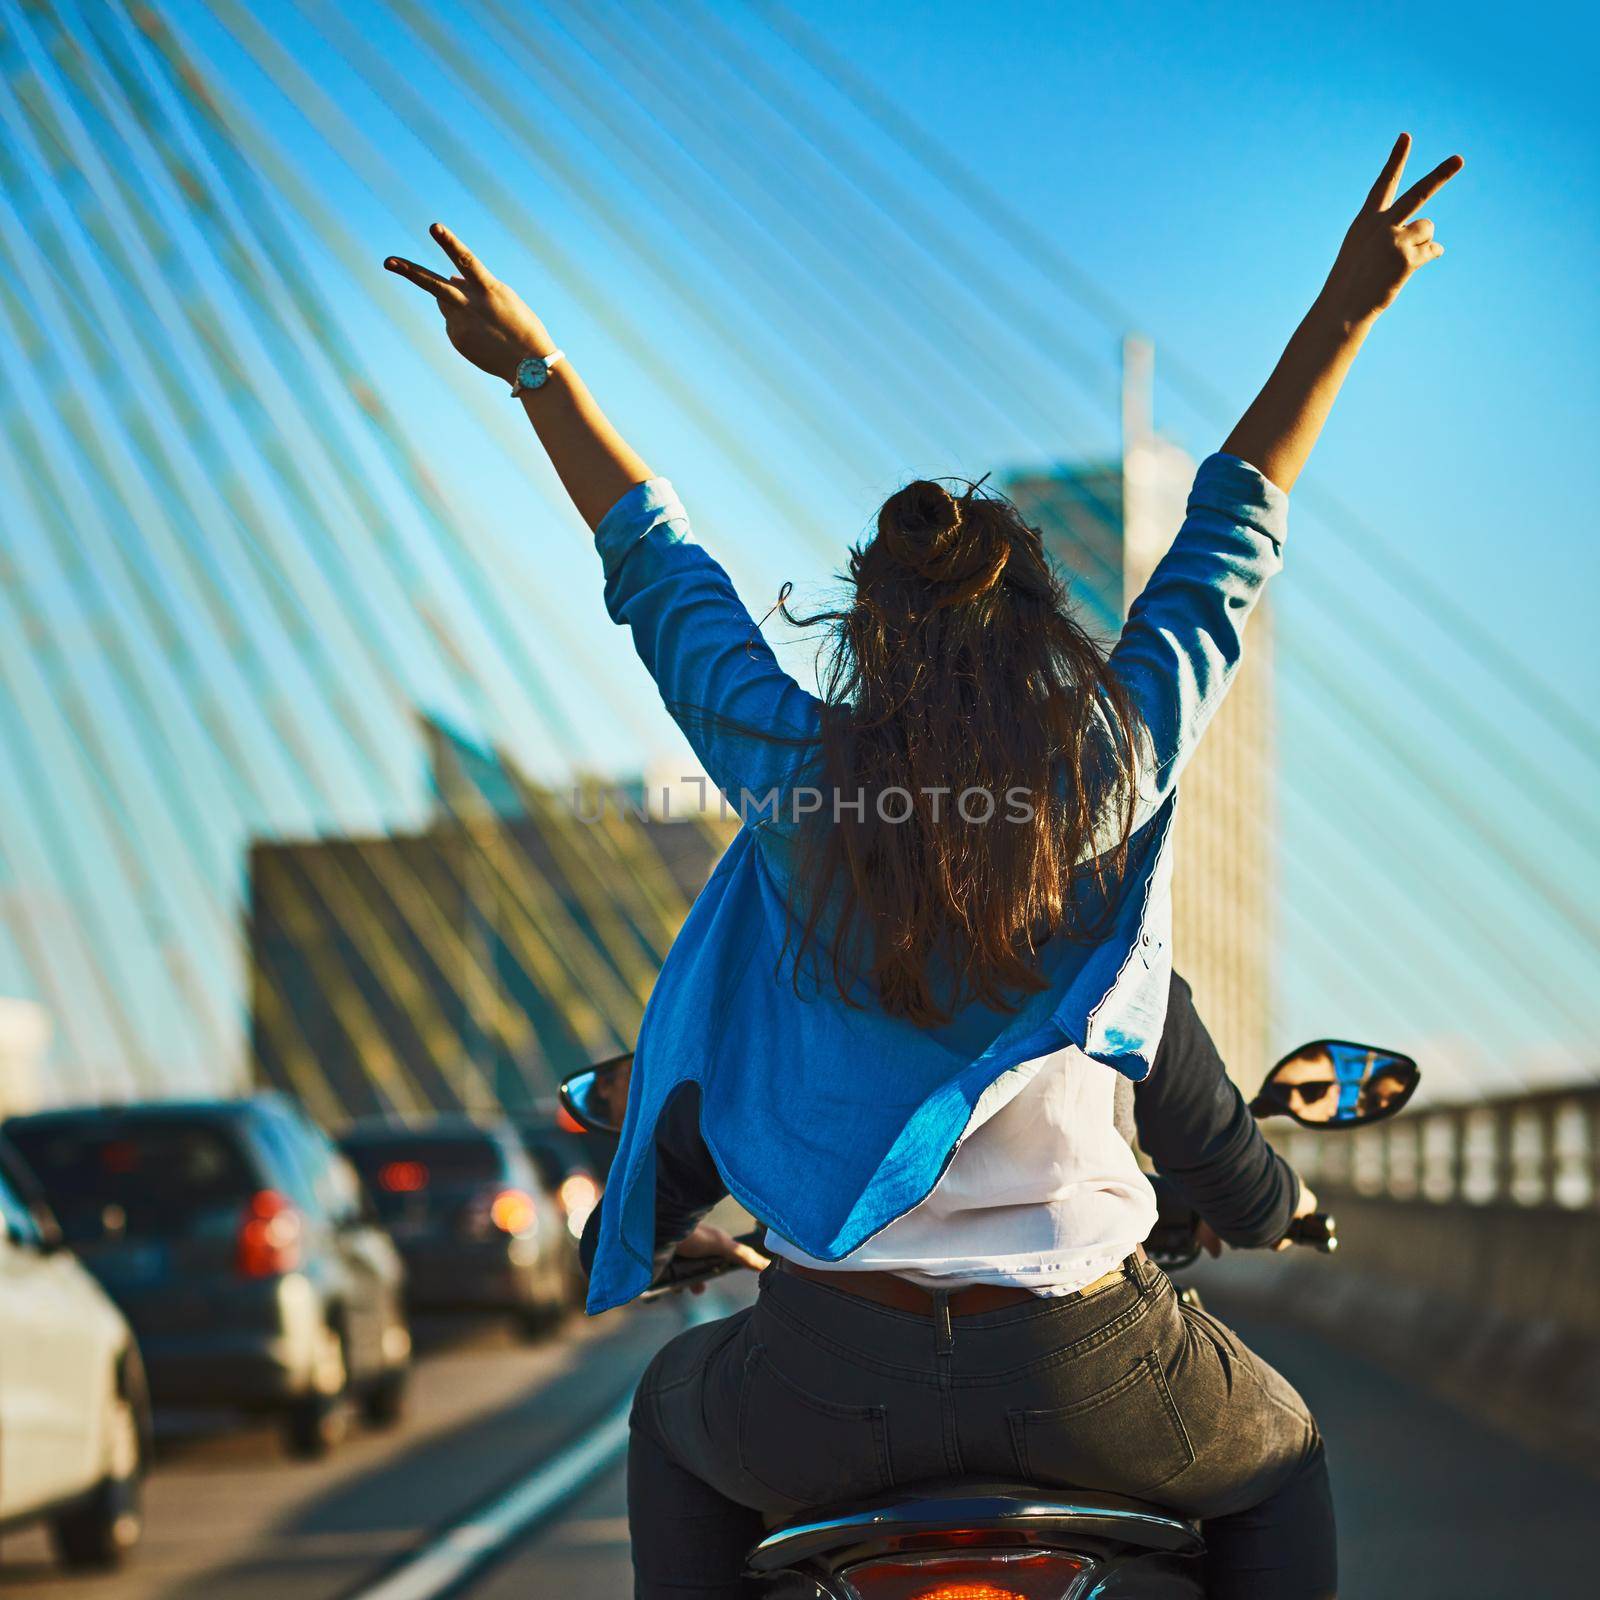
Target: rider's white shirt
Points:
(1042, 1191)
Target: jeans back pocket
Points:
(808, 1450)
(1125, 1439)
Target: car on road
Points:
(74, 1414)
(240, 1246)
(468, 1213)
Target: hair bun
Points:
(956, 545)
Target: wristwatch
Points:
(533, 372)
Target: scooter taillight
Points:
(974, 1575)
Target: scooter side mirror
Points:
(597, 1097)
(1333, 1083)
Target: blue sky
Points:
(1196, 163)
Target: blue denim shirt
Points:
(829, 1120)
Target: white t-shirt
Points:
(1042, 1191)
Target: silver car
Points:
(74, 1417)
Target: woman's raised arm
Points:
(749, 722)
(494, 328)
(1381, 250)
(1183, 640)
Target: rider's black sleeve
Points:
(1194, 1125)
(688, 1184)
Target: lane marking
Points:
(470, 1543)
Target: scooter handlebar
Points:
(1317, 1229)
(681, 1271)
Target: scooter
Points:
(982, 1539)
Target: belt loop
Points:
(944, 1339)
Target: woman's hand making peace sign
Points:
(1385, 245)
(1382, 248)
(494, 328)
(487, 321)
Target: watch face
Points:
(532, 372)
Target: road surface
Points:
(1433, 1506)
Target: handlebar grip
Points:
(686, 1269)
(1318, 1230)
(681, 1271)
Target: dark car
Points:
(470, 1217)
(239, 1245)
(567, 1175)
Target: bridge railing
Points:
(1469, 1257)
(1533, 1150)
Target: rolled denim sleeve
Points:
(1184, 636)
(752, 726)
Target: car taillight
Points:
(269, 1236)
(579, 1194)
(120, 1156)
(402, 1177)
(999, 1575)
(513, 1211)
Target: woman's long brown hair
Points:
(956, 669)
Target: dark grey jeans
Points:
(813, 1396)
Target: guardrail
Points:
(1469, 1248)
(1531, 1150)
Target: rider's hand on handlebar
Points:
(1305, 1206)
(708, 1241)
(1208, 1241)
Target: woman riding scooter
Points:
(901, 1007)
